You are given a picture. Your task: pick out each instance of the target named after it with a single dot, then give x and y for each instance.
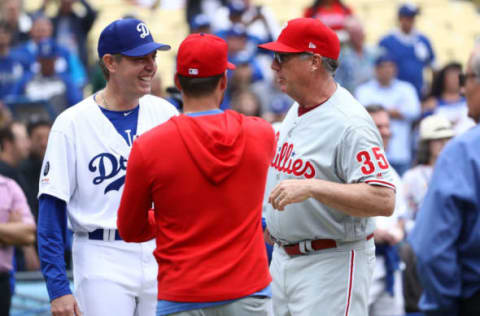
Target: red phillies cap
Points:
(202, 55)
(306, 35)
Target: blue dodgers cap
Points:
(200, 20)
(129, 37)
(408, 9)
(236, 7)
(237, 30)
(385, 57)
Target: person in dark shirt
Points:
(38, 131)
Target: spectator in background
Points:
(333, 13)
(208, 7)
(57, 89)
(446, 236)
(38, 131)
(386, 295)
(275, 103)
(17, 228)
(258, 19)
(246, 103)
(240, 43)
(446, 99)
(402, 104)
(410, 49)
(11, 69)
(5, 116)
(14, 147)
(200, 24)
(19, 22)
(435, 131)
(357, 61)
(70, 29)
(241, 52)
(42, 30)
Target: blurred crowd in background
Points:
(46, 66)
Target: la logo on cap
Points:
(143, 29)
(311, 45)
(193, 71)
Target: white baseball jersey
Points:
(86, 160)
(339, 142)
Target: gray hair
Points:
(476, 63)
(330, 65)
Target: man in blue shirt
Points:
(411, 49)
(446, 237)
(11, 69)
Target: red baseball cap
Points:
(202, 55)
(306, 35)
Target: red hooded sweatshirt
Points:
(206, 176)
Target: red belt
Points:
(307, 246)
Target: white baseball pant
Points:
(333, 282)
(114, 277)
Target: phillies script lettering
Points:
(284, 162)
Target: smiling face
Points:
(134, 75)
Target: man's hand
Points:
(288, 192)
(65, 306)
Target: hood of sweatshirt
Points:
(215, 142)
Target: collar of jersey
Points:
(115, 113)
(203, 113)
(118, 113)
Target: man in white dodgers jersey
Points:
(83, 175)
(328, 178)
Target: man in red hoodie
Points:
(205, 173)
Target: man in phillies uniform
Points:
(205, 173)
(328, 178)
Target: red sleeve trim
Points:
(382, 183)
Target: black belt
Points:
(104, 234)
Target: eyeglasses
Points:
(281, 58)
(464, 77)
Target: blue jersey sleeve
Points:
(52, 232)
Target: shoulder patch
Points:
(46, 169)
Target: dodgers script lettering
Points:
(107, 167)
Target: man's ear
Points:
(316, 62)
(223, 81)
(109, 62)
